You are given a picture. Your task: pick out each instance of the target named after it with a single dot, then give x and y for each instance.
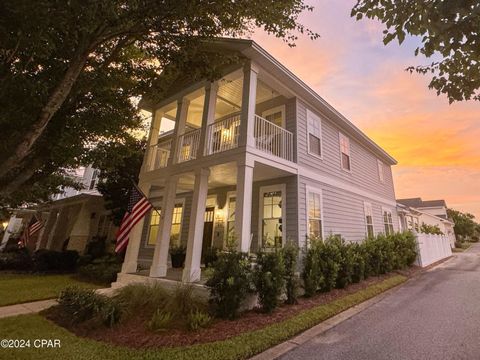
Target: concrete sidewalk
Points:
(26, 308)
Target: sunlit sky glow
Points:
(436, 144)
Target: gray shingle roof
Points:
(419, 203)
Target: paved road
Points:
(436, 316)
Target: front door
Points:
(208, 229)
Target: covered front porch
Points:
(245, 202)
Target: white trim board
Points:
(312, 175)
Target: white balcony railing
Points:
(273, 139)
(159, 154)
(188, 145)
(223, 135)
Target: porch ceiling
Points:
(225, 175)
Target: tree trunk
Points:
(20, 179)
(55, 101)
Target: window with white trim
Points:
(314, 213)
(314, 132)
(388, 221)
(381, 169)
(155, 224)
(369, 219)
(344, 151)
(231, 217)
(275, 115)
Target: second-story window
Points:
(381, 175)
(345, 151)
(93, 181)
(314, 129)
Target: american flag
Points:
(138, 206)
(31, 229)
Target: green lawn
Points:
(239, 347)
(19, 288)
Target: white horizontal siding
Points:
(343, 212)
(364, 170)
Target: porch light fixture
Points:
(5, 224)
(227, 134)
(219, 215)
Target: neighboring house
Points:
(71, 220)
(258, 157)
(414, 212)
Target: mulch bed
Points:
(133, 332)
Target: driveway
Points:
(435, 316)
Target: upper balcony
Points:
(240, 110)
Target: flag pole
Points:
(141, 192)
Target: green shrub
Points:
(49, 260)
(183, 301)
(17, 260)
(430, 229)
(84, 304)
(330, 261)
(160, 320)
(210, 255)
(290, 257)
(336, 263)
(147, 297)
(198, 319)
(229, 283)
(312, 272)
(357, 253)
(345, 269)
(405, 248)
(103, 270)
(268, 278)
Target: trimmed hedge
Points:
(335, 263)
(41, 261)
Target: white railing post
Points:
(188, 144)
(273, 139)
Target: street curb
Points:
(281, 349)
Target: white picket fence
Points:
(432, 248)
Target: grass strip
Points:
(22, 288)
(240, 347)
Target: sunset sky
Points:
(436, 144)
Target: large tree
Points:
(68, 70)
(119, 165)
(465, 225)
(449, 32)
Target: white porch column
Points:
(243, 206)
(160, 255)
(191, 272)
(179, 129)
(249, 94)
(51, 236)
(208, 116)
(152, 139)
(131, 255)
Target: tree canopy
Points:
(119, 165)
(449, 31)
(465, 225)
(70, 69)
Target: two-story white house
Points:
(258, 157)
